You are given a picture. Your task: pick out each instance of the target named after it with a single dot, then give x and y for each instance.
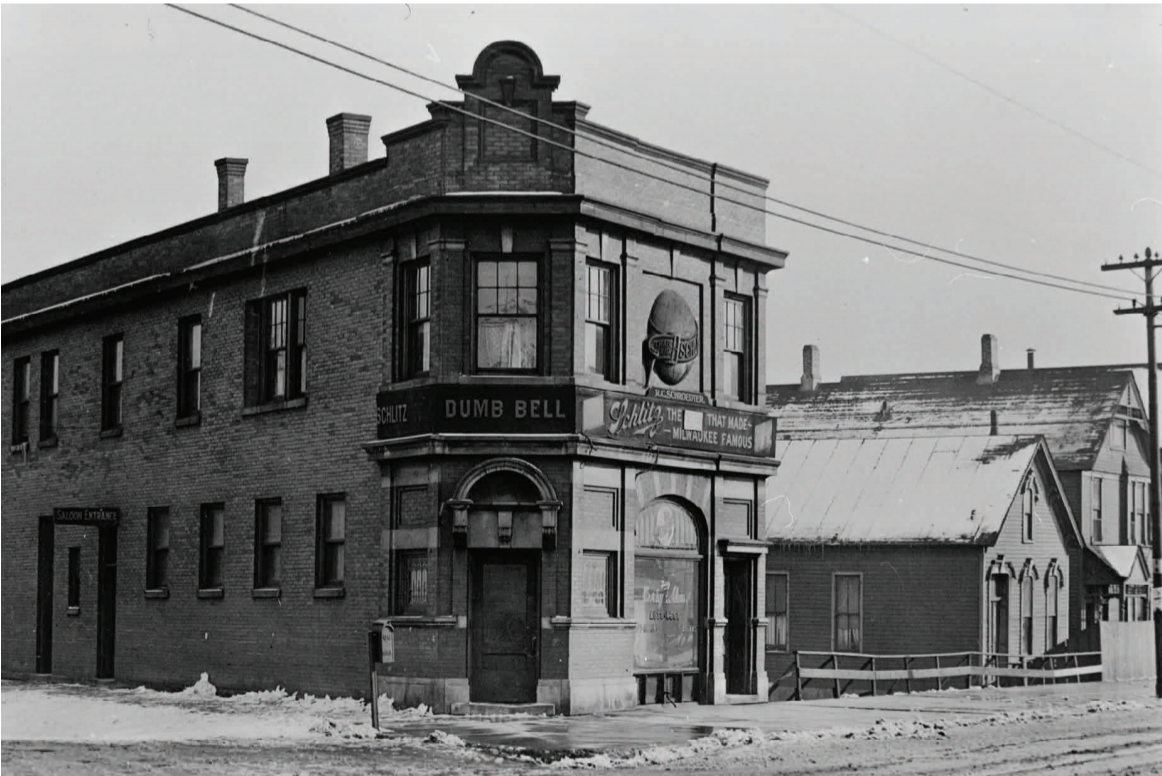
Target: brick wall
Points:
(293, 454)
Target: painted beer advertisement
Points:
(665, 597)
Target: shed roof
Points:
(946, 490)
(1071, 407)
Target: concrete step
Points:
(486, 709)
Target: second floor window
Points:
(157, 562)
(112, 376)
(1028, 510)
(189, 366)
(600, 355)
(506, 315)
(268, 543)
(736, 349)
(21, 391)
(276, 348)
(417, 342)
(1137, 513)
(50, 374)
(1095, 510)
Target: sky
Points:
(1027, 135)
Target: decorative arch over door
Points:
(506, 484)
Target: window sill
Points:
(189, 420)
(777, 650)
(73, 611)
(274, 406)
(266, 592)
(211, 592)
(420, 621)
(161, 593)
(110, 433)
(330, 592)
(49, 441)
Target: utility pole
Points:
(1150, 310)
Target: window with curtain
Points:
(777, 611)
(600, 353)
(848, 614)
(507, 323)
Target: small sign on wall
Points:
(386, 643)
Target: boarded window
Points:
(597, 574)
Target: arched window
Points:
(1027, 615)
(1028, 509)
(1052, 598)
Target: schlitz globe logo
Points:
(671, 343)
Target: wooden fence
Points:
(846, 672)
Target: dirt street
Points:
(1099, 738)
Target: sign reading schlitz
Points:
(651, 421)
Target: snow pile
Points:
(200, 689)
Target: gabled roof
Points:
(1121, 559)
(1071, 407)
(939, 490)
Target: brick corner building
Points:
(497, 391)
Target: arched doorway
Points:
(504, 514)
(668, 601)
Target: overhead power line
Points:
(928, 247)
(1120, 295)
(996, 93)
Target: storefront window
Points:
(666, 589)
(665, 597)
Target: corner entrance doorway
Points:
(505, 624)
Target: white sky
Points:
(113, 115)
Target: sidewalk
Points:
(646, 726)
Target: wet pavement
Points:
(647, 726)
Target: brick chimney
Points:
(811, 379)
(348, 132)
(1029, 356)
(990, 367)
(230, 175)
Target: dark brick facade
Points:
(447, 193)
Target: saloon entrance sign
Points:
(86, 515)
(662, 417)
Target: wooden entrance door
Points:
(504, 627)
(106, 599)
(739, 592)
(44, 583)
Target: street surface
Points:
(1069, 729)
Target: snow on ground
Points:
(62, 712)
